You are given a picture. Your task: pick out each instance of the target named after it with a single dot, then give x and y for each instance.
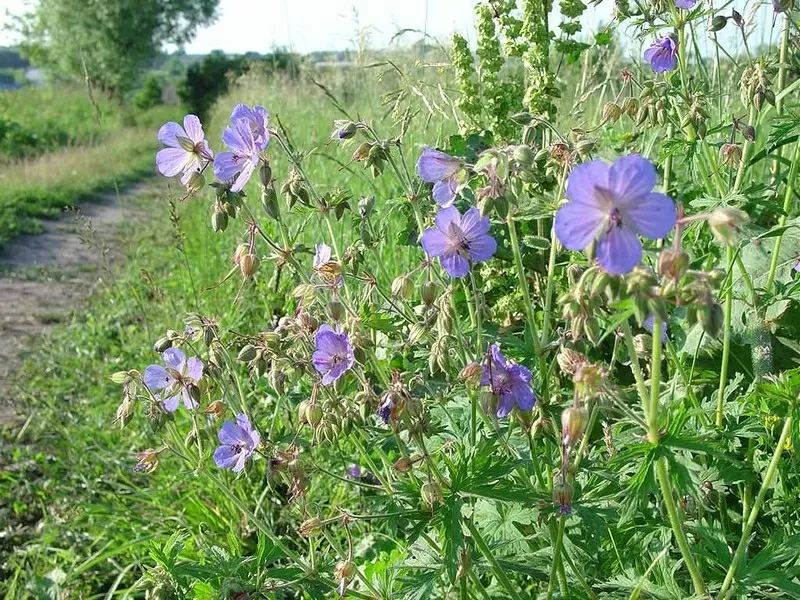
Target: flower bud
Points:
(219, 220)
(672, 263)
(737, 17)
(573, 423)
(471, 375)
(522, 118)
(711, 318)
(403, 464)
(147, 461)
(429, 292)
(402, 287)
(336, 310)
(718, 23)
(630, 106)
(725, 223)
(731, 154)
(431, 493)
(362, 152)
(247, 353)
(265, 174)
(197, 182)
(248, 265)
(585, 147)
(269, 202)
(611, 113)
(570, 361)
(523, 156)
(162, 344)
(562, 496)
(489, 400)
(216, 408)
(310, 527)
(314, 414)
(344, 130)
(344, 570)
(748, 131)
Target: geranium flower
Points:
(257, 119)
(186, 151)
(446, 172)
(333, 355)
(611, 204)
(457, 239)
(510, 382)
(174, 383)
(237, 441)
(237, 166)
(685, 4)
(663, 54)
(327, 268)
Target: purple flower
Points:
(509, 381)
(176, 380)
(663, 54)
(186, 151)
(612, 204)
(797, 266)
(237, 441)
(457, 239)
(648, 324)
(326, 267)
(685, 4)
(333, 355)
(446, 172)
(237, 166)
(257, 119)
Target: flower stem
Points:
(634, 360)
(496, 568)
(530, 315)
(556, 556)
(726, 339)
(753, 514)
(787, 206)
(551, 266)
(661, 465)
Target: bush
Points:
(150, 94)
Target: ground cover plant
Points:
(509, 338)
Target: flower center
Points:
(236, 448)
(458, 241)
(501, 381)
(615, 219)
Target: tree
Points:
(109, 41)
(208, 80)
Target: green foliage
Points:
(151, 93)
(206, 81)
(108, 41)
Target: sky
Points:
(308, 25)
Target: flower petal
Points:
(170, 404)
(434, 242)
(188, 401)
(225, 458)
(523, 395)
(244, 176)
(194, 129)
(455, 264)
(434, 165)
(230, 434)
(619, 250)
(630, 178)
(169, 132)
(173, 358)
(226, 166)
(505, 405)
(240, 462)
(583, 180)
(157, 378)
(444, 192)
(576, 224)
(445, 216)
(171, 161)
(473, 224)
(653, 217)
(482, 248)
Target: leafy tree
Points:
(150, 94)
(208, 80)
(108, 40)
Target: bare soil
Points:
(44, 277)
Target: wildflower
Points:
(147, 461)
(797, 266)
(685, 4)
(457, 239)
(257, 119)
(333, 355)
(237, 441)
(176, 381)
(344, 129)
(187, 151)
(328, 269)
(612, 204)
(562, 496)
(510, 382)
(663, 54)
(648, 324)
(446, 172)
(237, 166)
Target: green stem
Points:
(781, 85)
(753, 515)
(726, 339)
(510, 588)
(556, 556)
(551, 268)
(529, 312)
(746, 148)
(787, 207)
(634, 360)
(655, 383)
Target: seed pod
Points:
(630, 107)
(403, 464)
(248, 265)
(431, 493)
(611, 113)
(310, 527)
(219, 220)
(265, 174)
(471, 375)
(573, 423)
(585, 147)
(523, 156)
(718, 23)
(336, 310)
(269, 202)
(402, 287)
(162, 344)
(489, 400)
(592, 330)
(344, 570)
(362, 152)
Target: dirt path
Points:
(44, 277)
